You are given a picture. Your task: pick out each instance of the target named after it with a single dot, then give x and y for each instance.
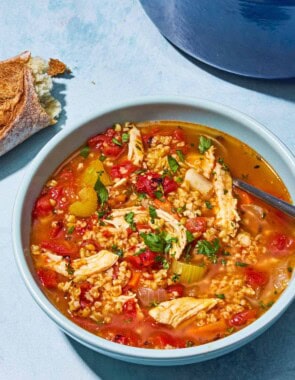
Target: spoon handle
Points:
(286, 207)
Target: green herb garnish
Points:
(204, 144)
(129, 218)
(189, 236)
(208, 205)
(220, 296)
(125, 137)
(240, 264)
(116, 141)
(173, 164)
(175, 277)
(71, 230)
(209, 249)
(84, 152)
(153, 213)
(102, 192)
(117, 251)
(102, 157)
(180, 155)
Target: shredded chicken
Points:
(87, 266)
(135, 147)
(177, 230)
(178, 310)
(227, 217)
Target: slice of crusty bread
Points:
(26, 105)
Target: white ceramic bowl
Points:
(62, 145)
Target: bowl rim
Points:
(205, 351)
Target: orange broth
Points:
(261, 271)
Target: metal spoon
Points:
(286, 207)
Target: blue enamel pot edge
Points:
(247, 37)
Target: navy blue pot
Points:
(253, 38)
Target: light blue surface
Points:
(116, 53)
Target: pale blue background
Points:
(116, 53)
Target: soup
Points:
(140, 237)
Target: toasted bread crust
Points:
(21, 114)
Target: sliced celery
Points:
(189, 273)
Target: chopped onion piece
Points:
(197, 181)
(150, 297)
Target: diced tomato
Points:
(105, 143)
(121, 339)
(57, 230)
(178, 134)
(47, 277)
(176, 290)
(256, 279)
(123, 170)
(107, 233)
(198, 224)
(124, 336)
(240, 319)
(66, 176)
(163, 339)
(145, 259)
(169, 185)
(84, 287)
(42, 206)
(150, 182)
(281, 245)
(135, 261)
(129, 307)
(63, 248)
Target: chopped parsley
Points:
(230, 330)
(240, 264)
(173, 164)
(153, 213)
(155, 242)
(84, 152)
(175, 277)
(209, 249)
(102, 192)
(222, 163)
(117, 251)
(129, 218)
(180, 155)
(221, 296)
(223, 261)
(204, 144)
(226, 253)
(102, 158)
(208, 205)
(116, 141)
(71, 230)
(163, 261)
(141, 196)
(125, 137)
(189, 236)
(160, 243)
(159, 195)
(69, 268)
